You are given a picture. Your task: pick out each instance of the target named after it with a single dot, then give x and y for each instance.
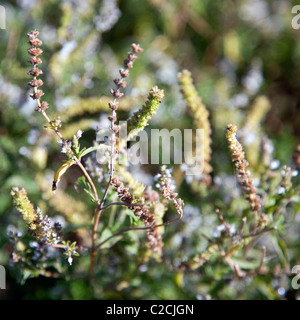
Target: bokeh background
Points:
(236, 50)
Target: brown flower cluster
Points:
(240, 163)
(121, 83)
(151, 195)
(34, 51)
(153, 235)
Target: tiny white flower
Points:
(281, 190)
(79, 134)
(295, 173)
(33, 244)
(283, 172)
(274, 164)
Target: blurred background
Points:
(237, 50)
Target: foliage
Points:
(238, 235)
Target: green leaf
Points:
(281, 249)
(84, 151)
(278, 223)
(73, 245)
(81, 181)
(86, 187)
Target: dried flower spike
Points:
(153, 235)
(136, 187)
(136, 48)
(240, 163)
(113, 105)
(34, 51)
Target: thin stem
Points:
(122, 204)
(113, 141)
(221, 218)
(43, 112)
(89, 179)
(49, 121)
(136, 229)
(120, 232)
(252, 235)
(263, 255)
(95, 228)
(235, 267)
(56, 245)
(243, 221)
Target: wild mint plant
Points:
(263, 200)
